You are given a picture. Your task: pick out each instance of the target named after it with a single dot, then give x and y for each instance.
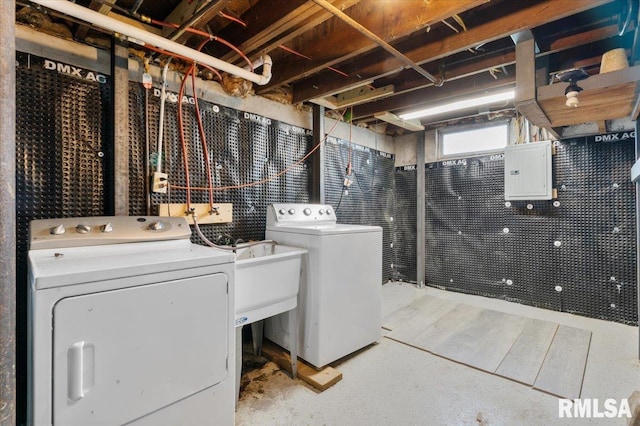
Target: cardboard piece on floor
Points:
(525, 358)
(483, 342)
(563, 368)
(319, 379)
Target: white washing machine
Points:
(339, 306)
(129, 323)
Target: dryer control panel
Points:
(103, 230)
(300, 214)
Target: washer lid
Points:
(326, 229)
(78, 265)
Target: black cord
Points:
(340, 201)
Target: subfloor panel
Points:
(487, 340)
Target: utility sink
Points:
(267, 281)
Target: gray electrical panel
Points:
(527, 172)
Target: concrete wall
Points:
(406, 149)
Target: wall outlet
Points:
(159, 182)
(223, 212)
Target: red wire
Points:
(213, 70)
(183, 141)
(232, 18)
(175, 55)
(206, 34)
(350, 144)
(166, 52)
(338, 71)
(272, 177)
(203, 139)
(287, 49)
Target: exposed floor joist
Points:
(380, 64)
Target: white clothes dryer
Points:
(129, 323)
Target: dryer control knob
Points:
(328, 211)
(282, 211)
(292, 211)
(321, 211)
(83, 229)
(156, 226)
(307, 211)
(107, 227)
(57, 230)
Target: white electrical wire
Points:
(161, 124)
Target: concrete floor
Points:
(390, 383)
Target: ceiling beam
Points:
(464, 71)
(192, 14)
(264, 20)
(337, 41)
(501, 58)
(272, 23)
(380, 42)
(429, 95)
(103, 7)
(380, 64)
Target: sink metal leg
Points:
(293, 341)
(257, 332)
(238, 362)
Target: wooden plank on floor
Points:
(319, 379)
(401, 316)
(562, 371)
(484, 342)
(525, 358)
(431, 311)
(458, 318)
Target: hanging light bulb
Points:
(571, 92)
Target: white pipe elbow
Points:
(267, 63)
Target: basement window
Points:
(459, 141)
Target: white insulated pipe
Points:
(139, 35)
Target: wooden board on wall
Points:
(605, 96)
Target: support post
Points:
(317, 179)
(7, 213)
(120, 75)
(637, 183)
(420, 209)
(526, 101)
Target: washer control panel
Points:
(102, 230)
(290, 213)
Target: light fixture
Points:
(458, 105)
(571, 92)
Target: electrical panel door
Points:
(528, 172)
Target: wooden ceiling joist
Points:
(103, 7)
(341, 42)
(422, 50)
(429, 95)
